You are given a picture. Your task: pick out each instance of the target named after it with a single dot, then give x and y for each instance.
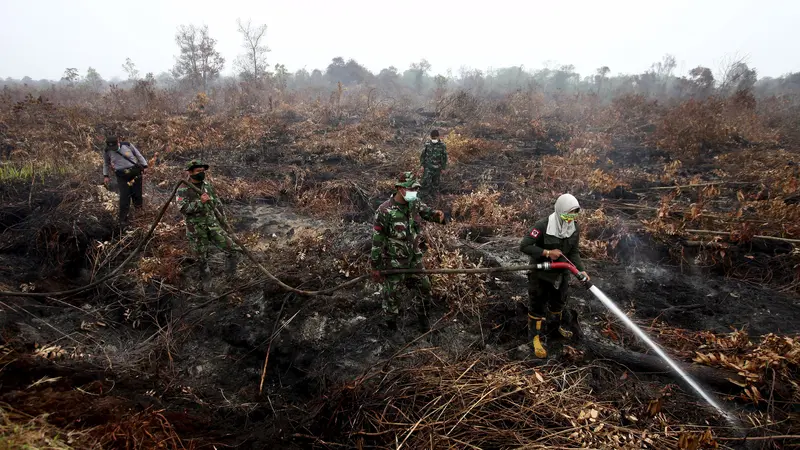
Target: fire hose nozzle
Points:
(547, 265)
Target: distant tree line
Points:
(199, 65)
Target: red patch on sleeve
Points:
(534, 233)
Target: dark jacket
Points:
(537, 241)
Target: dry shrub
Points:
(464, 293)
(776, 217)
(144, 430)
(166, 253)
(520, 112)
(487, 402)
(775, 357)
(482, 207)
(776, 170)
(333, 199)
(568, 173)
(463, 105)
(322, 255)
(605, 182)
(361, 143)
(662, 225)
(670, 171)
(246, 131)
(630, 112)
(463, 149)
(696, 126)
(599, 234)
(178, 134)
(311, 249)
(771, 364)
(248, 189)
(538, 129)
(587, 142)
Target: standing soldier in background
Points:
(6, 148)
(396, 245)
(433, 160)
(202, 227)
(129, 166)
(554, 238)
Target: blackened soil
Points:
(201, 362)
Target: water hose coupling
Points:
(547, 265)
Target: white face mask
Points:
(410, 196)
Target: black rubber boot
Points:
(231, 262)
(535, 331)
(562, 318)
(422, 317)
(422, 323)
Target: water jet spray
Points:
(641, 334)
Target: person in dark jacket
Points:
(554, 238)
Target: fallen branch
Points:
(726, 233)
(712, 376)
(705, 244)
(269, 347)
(715, 183)
(760, 438)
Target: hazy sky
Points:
(40, 38)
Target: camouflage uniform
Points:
(396, 245)
(202, 227)
(6, 148)
(434, 160)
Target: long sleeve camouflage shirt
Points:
(194, 208)
(396, 236)
(434, 155)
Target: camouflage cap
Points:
(407, 181)
(196, 163)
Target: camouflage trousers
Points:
(203, 233)
(431, 179)
(418, 285)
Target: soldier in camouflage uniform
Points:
(433, 160)
(6, 148)
(396, 245)
(202, 227)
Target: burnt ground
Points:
(197, 359)
(203, 366)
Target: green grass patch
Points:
(21, 432)
(11, 172)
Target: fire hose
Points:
(221, 218)
(540, 266)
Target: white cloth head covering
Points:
(555, 225)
